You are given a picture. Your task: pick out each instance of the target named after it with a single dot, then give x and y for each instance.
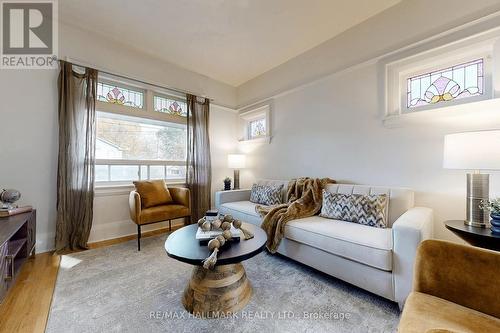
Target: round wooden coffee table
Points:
(223, 289)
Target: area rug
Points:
(117, 289)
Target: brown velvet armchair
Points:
(179, 208)
(455, 289)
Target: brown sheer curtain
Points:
(75, 173)
(199, 167)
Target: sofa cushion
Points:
(242, 210)
(358, 208)
(360, 243)
(424, 313)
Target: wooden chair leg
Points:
(138, 237)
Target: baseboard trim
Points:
(108, 242)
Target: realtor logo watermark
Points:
(29, 34)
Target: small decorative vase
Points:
(495, 223)
(227, 185)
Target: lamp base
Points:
(478, 189)
(236, 179)
(476, 224)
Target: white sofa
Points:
(375, 259)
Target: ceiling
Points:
(231, 41)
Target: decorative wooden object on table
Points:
(219, 230)
(17, 243)
(476, 236)
(223, 289)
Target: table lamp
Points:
(474, 151)
(236, 162)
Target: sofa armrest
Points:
(181, 196)
(461, 274)
(408, 231)
(222, 197)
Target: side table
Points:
(480, 237)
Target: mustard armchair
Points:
(455, 289)
(179, 208)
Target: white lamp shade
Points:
(472, 150)
(236, 161)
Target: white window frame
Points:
(139, 164)
(397, 72)
(148, 113)
(246, 117)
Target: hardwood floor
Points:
(26, 307)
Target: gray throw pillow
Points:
(358, 208)
(266, 194)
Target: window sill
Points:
(264, 139)
(103, 190)
(481, 113)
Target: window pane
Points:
(257, 128)
(144, 172)
(176, 172)
(101, 173)
(120, 137)
(124, 172)
(456, 82)
(119, 95)
(157, 172)
(171, 106)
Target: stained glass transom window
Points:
(257, 128)
(171, 106)
(119, 95)
(456, 82)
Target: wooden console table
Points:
(17, 243)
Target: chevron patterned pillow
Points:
(266, 194)
(358, 208)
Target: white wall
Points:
(223, 134)
(28, 143)
(332, 128)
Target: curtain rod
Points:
(100, 70)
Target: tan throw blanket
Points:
(304, 200)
